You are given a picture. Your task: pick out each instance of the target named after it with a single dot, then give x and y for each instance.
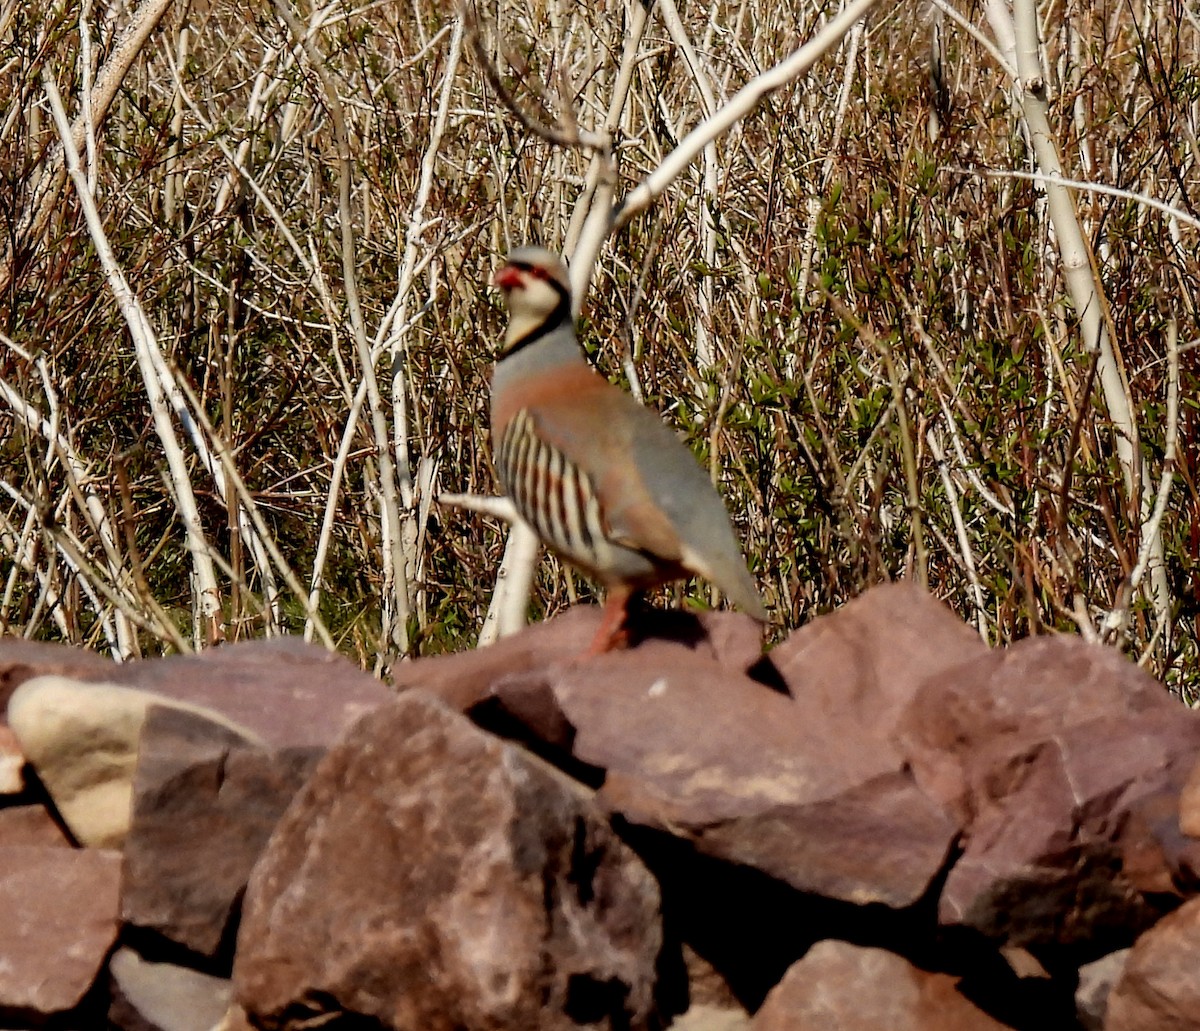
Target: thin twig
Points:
(739, 106)
(209, 602)
(396, 603)
(1151, 529)
(1087, 185)
(36, 215)
(977, 34)
(960, 531)
(251, 509)
(898, 387)
(569, 136)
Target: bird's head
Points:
(537, 290)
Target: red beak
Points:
(508, 277)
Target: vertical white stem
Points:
(146, 348)
(1075, 255)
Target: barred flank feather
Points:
(551, 493)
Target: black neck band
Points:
(560, 314)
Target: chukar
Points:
(601, 479)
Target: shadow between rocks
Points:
(152, 944)
(751, 927)
(524, 720)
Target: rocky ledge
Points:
(881, 823)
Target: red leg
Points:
(612, 632)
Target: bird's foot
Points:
(613, 633)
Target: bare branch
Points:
(396, 601)
(738, 107)
(36, 215)
(209, 602)
(1080, 184)
(569, 135)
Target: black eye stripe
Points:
(537, 271)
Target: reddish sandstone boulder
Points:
(429, 876)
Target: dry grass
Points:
(934, 323)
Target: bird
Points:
(603, 481)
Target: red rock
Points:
(704, 745)
(290, 693)
(1158, 989)
(863, 663)
(1041, 864)
(204, 805)
(429, 876)
(30, 825)
(465, 679)
(747, 774)
(684, 740)
(969, 725)
(842, 986)
(21, 660)
(1157, 856)
(879, 841)
(1044, 750)
(59, 909)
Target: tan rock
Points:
(82, 739)
(234, 1019)
(163, 996)
(712, 1018)
(1096, 980)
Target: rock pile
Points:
(881, 823)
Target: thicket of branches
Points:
(858, 305)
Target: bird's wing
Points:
(593, 430)
(654, 497)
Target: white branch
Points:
(1086, 185)
(740, 105)
(706, 355)
(494, 505)
(146, 346)
(1151, 531)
